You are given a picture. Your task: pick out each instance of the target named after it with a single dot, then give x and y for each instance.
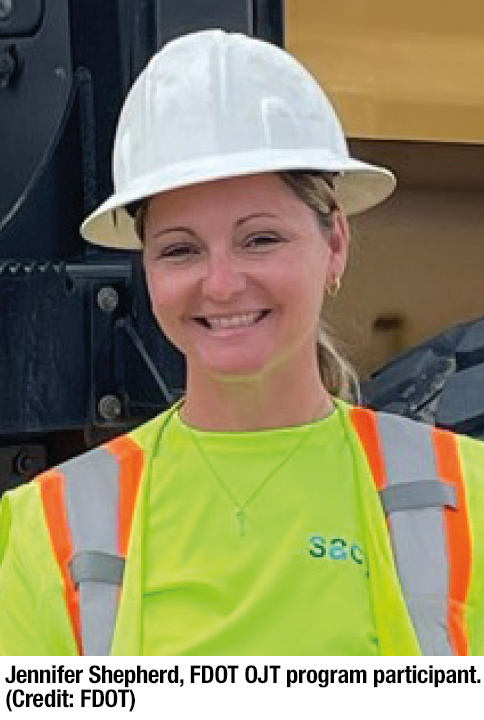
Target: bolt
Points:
(24, 463)
(109, 407)
(6, 7)
(107, 299)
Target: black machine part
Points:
(81, 357)
(440, 382)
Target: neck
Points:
(254, 404)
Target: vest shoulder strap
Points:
(88, 505)
(417, 472)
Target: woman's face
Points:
(236, 271)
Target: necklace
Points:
(241, 507)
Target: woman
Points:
(257, 529)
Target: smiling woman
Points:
(289, 212)
(245, 520)
(238, 287)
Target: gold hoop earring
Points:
(334, 286)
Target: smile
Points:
(229, 322)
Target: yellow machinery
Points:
(408, 81)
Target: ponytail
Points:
(337, 374)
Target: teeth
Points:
(233, 321)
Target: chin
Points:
(235, 370)
(237, 374)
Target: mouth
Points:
(232, 322)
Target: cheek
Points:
(312, 277)
(164, 295)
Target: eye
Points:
(263, 241)
(179, 252)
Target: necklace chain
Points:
(241, 507)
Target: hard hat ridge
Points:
(213, 105)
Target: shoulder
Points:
(127, 449)
(363, 418)
(147, 434)
(401, 431)
(24, 507)
(24, 503)
(471, 451)
(471, 458)
(381, 433)
(387, 438)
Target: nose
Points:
(223, 278)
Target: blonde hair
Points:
(315, 189)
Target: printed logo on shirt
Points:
(338, 550)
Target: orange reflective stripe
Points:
(365, 423)
(131, 460)
(52, 491)
(458, 538)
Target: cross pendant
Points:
(241, 517)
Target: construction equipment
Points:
(81, 358)
(440, 382)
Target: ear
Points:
(338, 242)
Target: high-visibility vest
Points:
(88, 504)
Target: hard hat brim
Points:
(358, 187)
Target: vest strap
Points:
(91, 496)
(88, 505)
(419, 494)
(422, 497)
(94, 566)
(417, 534)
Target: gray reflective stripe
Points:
(93, 566)
(92, 505)
(414, 495)
(418, 535)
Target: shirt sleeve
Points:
(33, 614)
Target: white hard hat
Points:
(213, 105)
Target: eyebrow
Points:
(254, 216)
(177, 228)
(189, 231)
